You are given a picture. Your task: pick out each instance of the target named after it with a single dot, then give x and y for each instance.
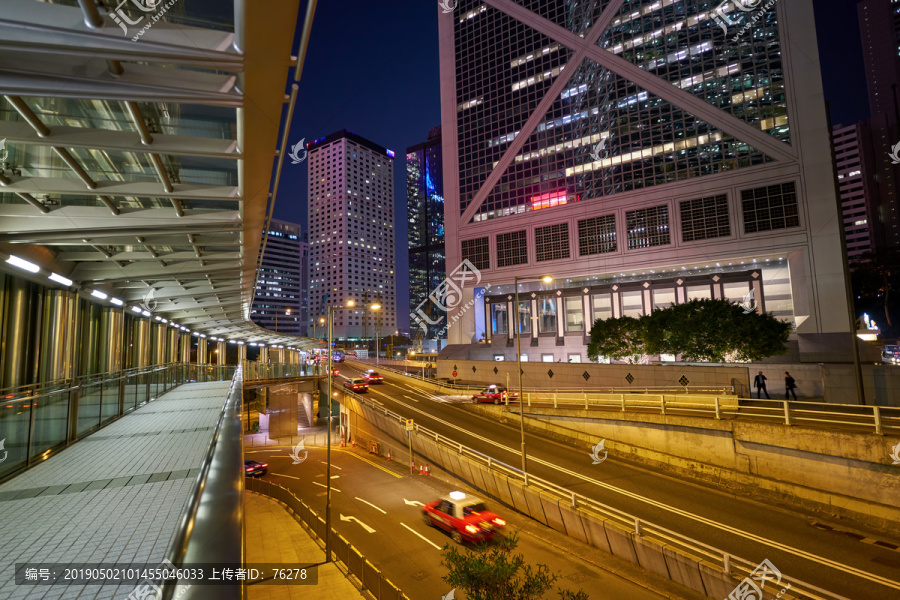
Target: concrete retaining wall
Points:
(843, 474)
(836, 383)
(367, 424)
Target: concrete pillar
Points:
(242, 353)
(588, 317)
(158, 335)
(221, 353)
(171, 345)
(185, 347)
(263, 355)
(140, 343)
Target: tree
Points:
(708, 330)
(622, 338)
(493, 572)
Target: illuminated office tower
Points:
(642, 155)
(425, 205)
(351, 233)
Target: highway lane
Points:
(827, 559)
(376, 507)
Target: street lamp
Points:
(331, 311)
(287, 311)
(516, 280)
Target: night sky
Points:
(372, 68)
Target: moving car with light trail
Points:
(253, 468)
(466, 518)
(495, 394)
(356, 385)
(372, 376)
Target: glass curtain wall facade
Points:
(425, 203)
(633, 151)
(278, 304)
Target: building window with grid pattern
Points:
(770, 207)
(647, 227)
(551, 242)
(512, 249)
(478, 252)
(705, 218)
(597, 235)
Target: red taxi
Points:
(465, 517)
(371, 376)
(356, 385)
(495, 394)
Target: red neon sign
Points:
(551, 199)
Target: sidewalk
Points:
(273, 536)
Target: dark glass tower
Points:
(425, 201)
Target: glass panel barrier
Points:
(51, 415)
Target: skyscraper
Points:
(425, 205)
(351, 227)
(879, 25)
(852, 181)
(278, 300)
(643, 155)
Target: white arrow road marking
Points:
(413, 502)
(372, 505)
(325, 486)
(680, 512)
(361, 524)
(280, 475)
(421, 536)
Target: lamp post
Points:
(516, 280)
(331, 311)
(287, 312)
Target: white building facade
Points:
(351, 234)
(641, 156)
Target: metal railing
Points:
(41, 418)
(256, 370)
(215, 533)
(708, 402)
(687, 546)
(370, 578)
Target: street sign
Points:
(409, 424)
(454, 373)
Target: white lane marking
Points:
(280, 475)
(325, 486)
(335, 477)
(372, 505)
(361, 524)
(683, 513)
(421, 536)
(333, 466)
(413, 502)
(411, 398)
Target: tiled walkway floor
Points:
(273, 536)
(114, 497)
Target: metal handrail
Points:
(639, 526)
(214, 535)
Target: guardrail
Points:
(215, 533)
(370, 579)
(684, 545)
(44, 417)
(875, 419)
(256, 370)
(680, 389)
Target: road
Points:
(376, 506)
(848, 563)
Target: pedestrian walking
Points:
(789, 386)
(759, 382)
